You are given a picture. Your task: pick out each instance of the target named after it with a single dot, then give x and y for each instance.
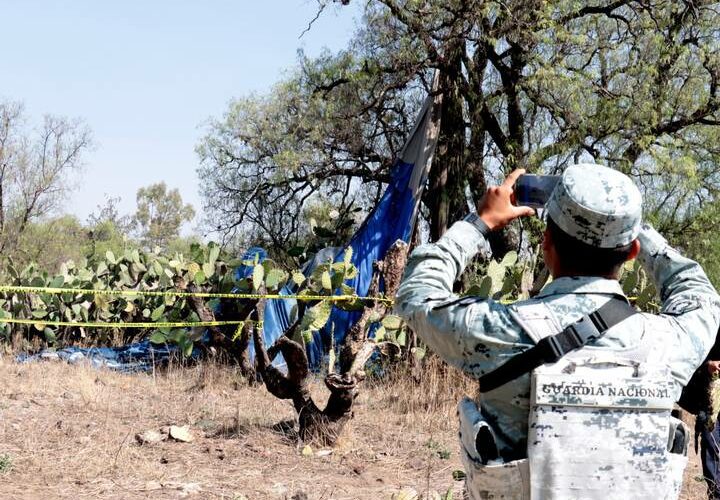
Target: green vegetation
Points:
(133, 270)
(160, 213)
(528, 84)
(6, 463)
(204, 269)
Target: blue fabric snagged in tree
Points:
(391, 220)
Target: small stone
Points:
(180, 433)
(150, 437)
(189, 489)
(405, 494)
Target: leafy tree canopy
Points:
(160, 214)
(36, 165)
(538, 84)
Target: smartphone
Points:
(534, 190)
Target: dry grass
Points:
(68, 432)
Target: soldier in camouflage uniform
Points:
(522, 440)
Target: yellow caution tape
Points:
(164, 324)
(207, 295)
(150, 293)
(169, 324)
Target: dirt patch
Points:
(69, 432)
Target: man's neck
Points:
(573, 274)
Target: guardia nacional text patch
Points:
(602, 391)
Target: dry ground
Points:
(69, 432)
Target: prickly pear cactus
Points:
(206, 267)
(134, 270)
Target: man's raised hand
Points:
(496, 208)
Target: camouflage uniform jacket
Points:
(477, 335)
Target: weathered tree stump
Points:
(325, 426)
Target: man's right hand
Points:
(496, 208)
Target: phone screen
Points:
(534, 190)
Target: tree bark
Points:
(247, 370)
(446, 194)
(325, 426)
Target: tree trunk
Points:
(325, 426)
(247, 370)
(446, 194)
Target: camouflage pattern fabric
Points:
(494, 479)
(600, 421)
(477, 335)
(596, 205)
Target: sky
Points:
(146, 76)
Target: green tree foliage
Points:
(36, 165)
(160, 214)
(109, 230)
(699, 237)
(539, 84)
(106, 236)
(294, 152)
(48, 243)
(109, 213)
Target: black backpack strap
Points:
(550, 349)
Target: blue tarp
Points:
(391, 220)
(138, 357)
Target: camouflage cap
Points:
(596, 205)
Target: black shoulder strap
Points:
(550, 349)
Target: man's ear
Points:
(634, 249)
(548, 251)
(547, 239)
